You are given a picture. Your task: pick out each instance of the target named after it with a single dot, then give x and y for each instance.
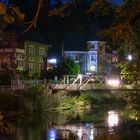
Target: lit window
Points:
(19, 60)
(92, 68)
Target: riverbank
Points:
(37, 99)
(33, 106)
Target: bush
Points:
(9, 102)
(5, 77)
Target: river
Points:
(100, 123)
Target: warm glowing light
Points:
(113, 82)
(92, 68)
(113, 119)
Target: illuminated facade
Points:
(35, 56)
(92, 60)
(21, 55)
(12, 51)
(12, 58)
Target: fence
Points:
(21, 84)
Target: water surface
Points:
(100, 123)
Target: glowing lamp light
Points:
(113, 82)
(129, 57)
(92, 68)
(52, 61)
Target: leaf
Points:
(3, 8)
(8, 18)
(18, 12)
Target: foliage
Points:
(10, 14)
(33, 99)
(124, 35)
(103, 97)
(4, 65)
(74, 103)
(26, 101)
(51, 73)
(125, 19)
(133, 99)
(9, 102)
(13, 65)
(62, 11)
(5, 77)
(68, 66)
(86, 100)
(25, 75)
(100, 7)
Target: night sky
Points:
(74, 40)
(55, 1)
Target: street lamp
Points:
(129, 57)
(113, 82)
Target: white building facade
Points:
(92, 60)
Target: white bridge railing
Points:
(89, 82)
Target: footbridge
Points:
(92, 82)
(80, 82)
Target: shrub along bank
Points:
(36, 99)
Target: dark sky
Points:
(76, 40)
(55, 1)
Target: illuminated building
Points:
(18, 54)
(35, 56)
(12, 51)
(92, 60)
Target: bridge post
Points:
(64, 80)
(80, 78)
(67, 79)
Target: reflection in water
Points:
(95, 125)
(51, 134)
(113, 118)
(87, 131)
(80, 131)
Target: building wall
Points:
(31, 57)
(35, 54)
(11, 56)
(19, 58)
(96, 50)
(92, 60)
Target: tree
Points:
(122, 33)
(125, 34)
(10, 14)
(68, 66)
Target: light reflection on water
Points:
(51, 134)
(84, 131)
(99, 124)
(80, 131)
(113, 118)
